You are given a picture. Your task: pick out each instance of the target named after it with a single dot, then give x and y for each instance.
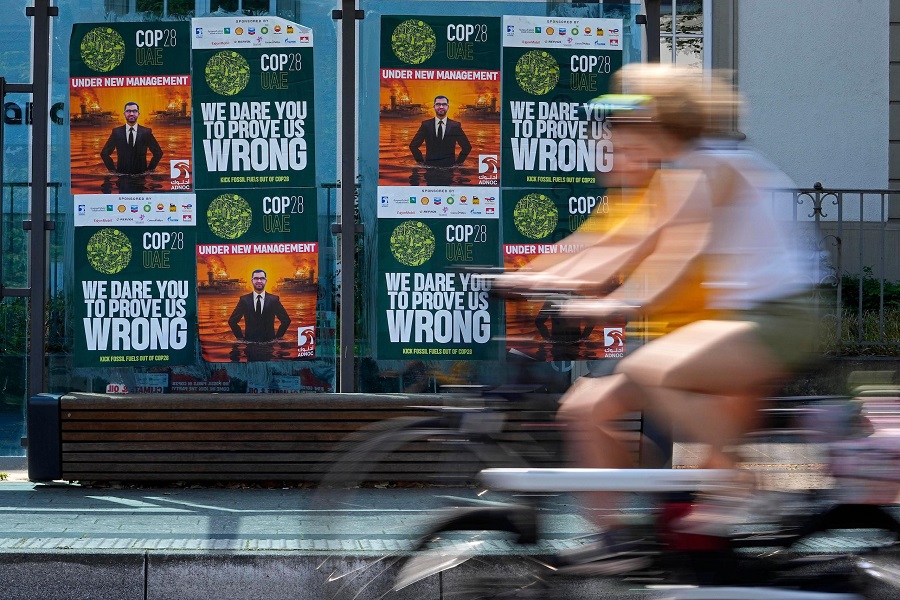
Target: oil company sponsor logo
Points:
(614, 341)
(306, 341)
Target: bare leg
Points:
(589, 409)
(716, 421)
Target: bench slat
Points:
(282, 437)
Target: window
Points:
(682, 32)
(249, 7)
(165, 9)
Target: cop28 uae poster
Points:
(131, 172)
(438, 184)
(257, 261)
(556, 142)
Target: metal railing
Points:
(859, 276)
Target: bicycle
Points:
(747, 563)
(748, 556)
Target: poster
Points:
(132, 178)
(435, 69)
(244, 245)
(533, 328)
(253, 104)
(556, 147)
(438, 193)
(135, 297)
(123, 75)
(257, 253)
(430, 308)
(552, 69)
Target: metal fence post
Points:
(41, 13)
(346, 228)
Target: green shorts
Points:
(788, 327)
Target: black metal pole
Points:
(652, 29)
(41, 13)
(2, 153)
(347, 377)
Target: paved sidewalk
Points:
(62, 540)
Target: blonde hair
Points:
(685, 101)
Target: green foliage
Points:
(865, 335)
(870, 331)
(13, 325)
(14, 319)
(869, 288)
(176, 8)
(59, 336)
(14, 252)
(849, 331)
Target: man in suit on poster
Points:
(259, 310)
(441, 135)
(131, 142)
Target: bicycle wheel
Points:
(369, 568)
(353, 458)
(434, 449)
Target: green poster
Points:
(135, 302)
(537, 223)
(257, 240)
(131, 170)
(556, 148)
(439, 97)
(257, 259)
(552, 69)
(428, 307)
(438, 195)
(253, 103)
(130, 93)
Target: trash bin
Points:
(44, 438)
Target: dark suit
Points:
(259, 328)
(131, 160)
(440, 153)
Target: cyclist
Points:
(702, 258)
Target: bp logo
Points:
(102, 49)
(412, 243)
(229, 216)
(227, 73)
(535, 216)
(413, 41)
(537, 72)
(109, 251)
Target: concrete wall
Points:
(815, 74)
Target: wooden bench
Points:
(250, 437)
